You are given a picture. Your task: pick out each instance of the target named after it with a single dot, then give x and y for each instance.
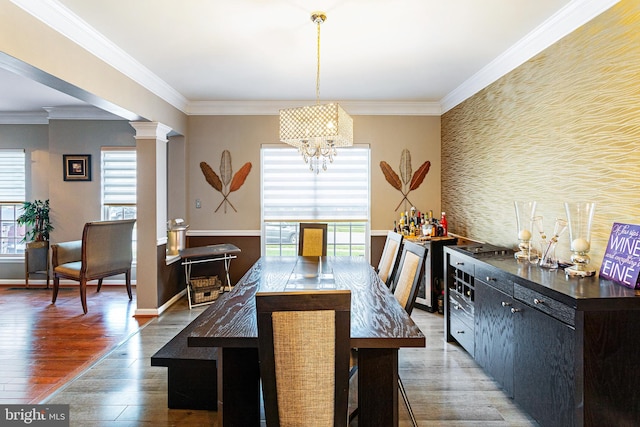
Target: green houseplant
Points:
(35, 215)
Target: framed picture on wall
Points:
(77, 167)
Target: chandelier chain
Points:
(318, 22)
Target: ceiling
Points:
(199, 52)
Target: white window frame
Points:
(118, 197)
(339, 243)
(13, 176)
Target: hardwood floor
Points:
(43, 346)
(109, 381)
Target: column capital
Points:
(151, 130)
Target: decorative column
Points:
(151, 149)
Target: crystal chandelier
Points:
(317, 130)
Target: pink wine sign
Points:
(621, 262)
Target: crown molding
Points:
(79, 113)
(566, 20)
(24, 118)
(272, 108)
(64, 21)
(55, 113)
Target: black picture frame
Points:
(76, 167)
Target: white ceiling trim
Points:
(79, 113)
(272, 108)
(55, 113)
(24, 118)
(567, 20)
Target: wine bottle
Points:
(443, 223)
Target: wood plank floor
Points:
(100, 365)
(43, 346)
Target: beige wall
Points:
(564, 126)
(73, 203)
(243, 136)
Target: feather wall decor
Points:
(227, 182)
(408, 180)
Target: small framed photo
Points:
(77, 167)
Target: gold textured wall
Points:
(564, 126)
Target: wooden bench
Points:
(192, 373)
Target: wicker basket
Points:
(205, 289)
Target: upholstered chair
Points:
(390, 255)
(303, 347)
(313, 239)
(406, 282)
(105, 250)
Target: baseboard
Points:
(154, 312)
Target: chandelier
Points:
(317, 130)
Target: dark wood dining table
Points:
(379, 327)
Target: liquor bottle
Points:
(395, 227)
(443, 222)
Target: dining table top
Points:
(377, 319)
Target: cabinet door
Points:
(544, 382)
(494, 344)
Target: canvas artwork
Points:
(621, 262)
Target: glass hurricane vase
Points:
(580, 218)
(525, 212)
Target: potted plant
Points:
(35, 215)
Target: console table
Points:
(565, 349)
(204, 254)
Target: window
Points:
(12, 196)
(291, 193)
(119, 185)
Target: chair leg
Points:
(127, 276)
(83, 294)
(406, 402)
(99, 285)
(56, 285)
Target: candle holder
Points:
(580, 217)
(548, 259)
(525, 212)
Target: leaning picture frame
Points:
(76, 167)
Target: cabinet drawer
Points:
(547, 305)
(461, 307)
(461, 263)
(494, 277)
(463, 333)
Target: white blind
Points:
(118, 176)
(12, 176)
(291, 192)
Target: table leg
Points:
(227, 262)
(238, 387)
(377, 387)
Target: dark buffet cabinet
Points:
(565, 349)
